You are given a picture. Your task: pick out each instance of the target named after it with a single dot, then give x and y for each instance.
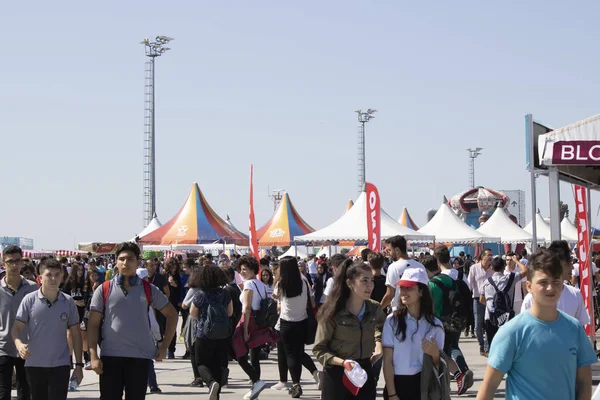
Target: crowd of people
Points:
(381, 312)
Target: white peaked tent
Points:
(152, 226)
(568, 230)
(292, 253)
(501, 225)
(353, 226)
(543, 229)
(448, 227)
(326, 251)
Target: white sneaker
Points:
(247, 395)
(280, 386)
(213, 393)
(258, 387)
(317, 378)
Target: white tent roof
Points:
(543, 229)
(568, 230)
(292, 253)
(326, 251)
(448, 227)
(353, 226)
(152, 226)
(500, 224)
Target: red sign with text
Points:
(373, 217)
(583, 246)
(576, 152)
(252, 225)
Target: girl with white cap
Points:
(409, 333)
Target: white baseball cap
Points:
(413, 276)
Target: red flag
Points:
(373, 217)
(583, 247)
(253, 239)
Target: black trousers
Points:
(123, 373)
(408, 387)
(194, 362)
(293, 335)
(252, 368)
(48, 383)
(209, 358)
(490, 331)
(174, 339)
(6, 370)
(333, 388)
(307, 362)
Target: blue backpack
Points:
(216, 325)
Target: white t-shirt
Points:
(327, 290)
(408, 354)
(312, 267)
(453, 273)
(253, 285)
(293, 309)
(395, 271)
(570, 302)
(575, 272)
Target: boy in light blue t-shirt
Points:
(544, 352)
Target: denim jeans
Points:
(479, 311)
(451, 349)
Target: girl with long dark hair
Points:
(172, 269)
(293, 293)
(320, 282)
(408, 334)
(349, 331)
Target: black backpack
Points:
(457, 303)
(267, 316)
(216, 324)
(503, 305)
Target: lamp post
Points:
(363, 118)
(473, 154)
(154, 48)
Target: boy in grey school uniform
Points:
(128, 344)
(48, 313)
(13, 287)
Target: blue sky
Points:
(275, 84)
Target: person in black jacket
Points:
(320, 283)
(234, 291)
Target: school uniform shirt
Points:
(259, 292)
(126, 329)
(570, 302)
(47, 323)
(9, 304)
(408, 353)
(394, 273)
(501, 280)
(525, 344)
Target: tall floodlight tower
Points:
(154, 49)
(363, 118)
(473, 154)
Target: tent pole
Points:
(530, 151)
(295, 248)
(554, 184)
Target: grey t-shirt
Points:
(189, 297)
(126, 328)
(9, 304)
(47, 328)
(501, 280)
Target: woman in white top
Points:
(408, 334)
(293, 294)
(248, 336)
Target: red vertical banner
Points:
(373, 217)
(252, 228)
(583, 247)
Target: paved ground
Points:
(174, 376)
